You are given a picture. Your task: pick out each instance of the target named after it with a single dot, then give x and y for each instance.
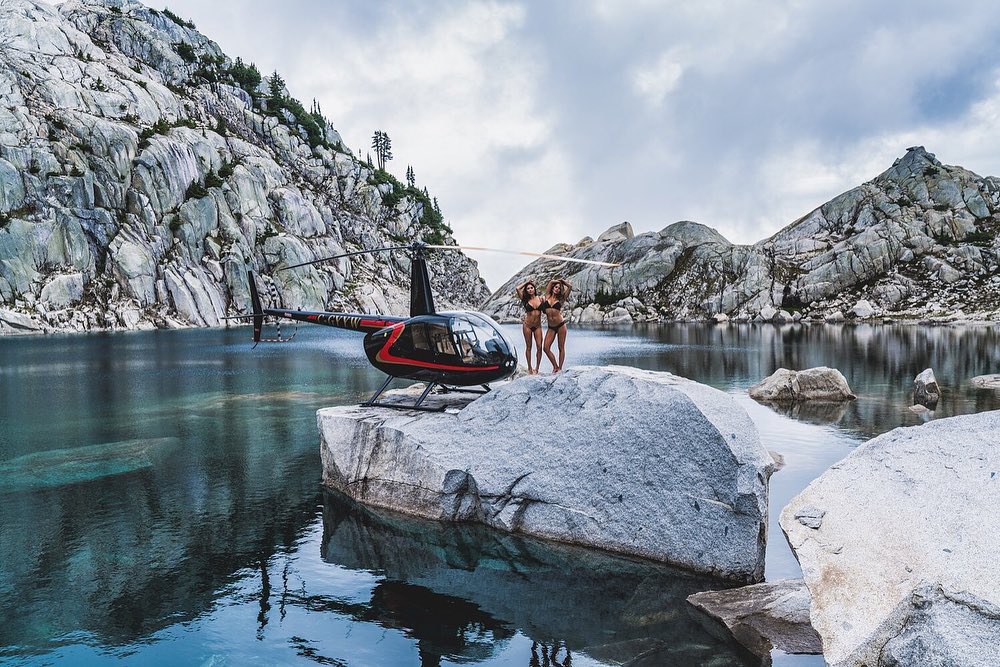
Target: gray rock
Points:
(902, 570)
(764, 617)
(835, 316)
(812, 384)
(925, 389)
(986, 381)
(685, 466)
(63, 291)
(622, 232)
(863, 309)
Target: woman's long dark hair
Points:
(525, 297)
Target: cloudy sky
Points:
(540, 122)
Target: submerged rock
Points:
(772, 615)
(926, 391)
(636, 462)
(902, 564)
(812, 384)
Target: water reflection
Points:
(878, 360)
(463, 581)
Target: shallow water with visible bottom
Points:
(161, 504)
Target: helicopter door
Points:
(427, 341)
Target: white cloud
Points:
(655, 81)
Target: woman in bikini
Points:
(531, 327)
(556, 294)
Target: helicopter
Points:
(453, 350)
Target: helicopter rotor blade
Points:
(346, 254)
(523, 252)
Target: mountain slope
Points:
(918, 241)
(143, 172)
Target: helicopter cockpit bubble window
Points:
(478, 342)
(426, 341)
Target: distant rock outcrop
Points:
(897, 544)
(918, 241)
(142, 173)
(635, 462)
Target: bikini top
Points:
(557, 305)
(528, 308)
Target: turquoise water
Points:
(161, 504)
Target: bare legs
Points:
(529, 338)
(551, 337)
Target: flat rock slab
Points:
(635, 462)
(986, 381)
(772, 615)
(898, 545)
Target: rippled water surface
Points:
(161, 504)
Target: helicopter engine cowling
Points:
(455, 348)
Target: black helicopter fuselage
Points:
(460, 348)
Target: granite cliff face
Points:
(918, 241)
(142, 173)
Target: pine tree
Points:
(436, 207)
(410, 178)
(378, 145)
(276, 88)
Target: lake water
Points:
(161, 504)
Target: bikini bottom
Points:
(557, 327)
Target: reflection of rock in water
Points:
(812, 412)
(571, 600)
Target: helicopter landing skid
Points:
(373, 402)
(444, 389)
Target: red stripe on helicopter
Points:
(385, 356)
(376, 323)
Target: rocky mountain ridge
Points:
(143, 172)
(919, 241)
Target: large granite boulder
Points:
(898, 547)
(636, 462)
(812, 384)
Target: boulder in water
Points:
(811, 384)
(926, 391)
(635, 462)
